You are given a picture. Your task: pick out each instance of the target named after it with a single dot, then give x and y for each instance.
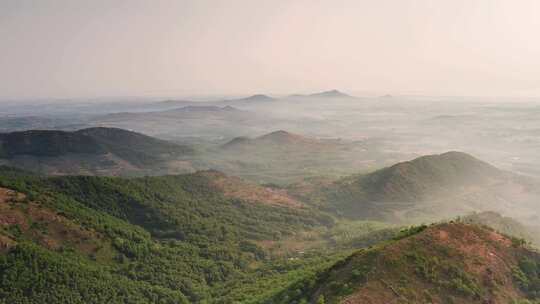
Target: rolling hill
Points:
(425, 189)
(281, 157)
(423, 177)
(444, 263)
(87, 151)
(279, 139)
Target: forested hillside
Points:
(170, 237)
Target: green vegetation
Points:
(527, 274)
(404, 233)
(31, 274)
(170, 233)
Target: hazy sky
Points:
(85, 48)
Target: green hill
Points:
(86, 151)
(423, 177)
(424, 189)
(445, 263)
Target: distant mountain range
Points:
(221, 118)
(204, 108)
(186, 111)
(255, 99)
(262, 98)
(201, 120)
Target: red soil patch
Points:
(484, 255)
(235, 187)
(41, 224)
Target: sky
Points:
(93, 48)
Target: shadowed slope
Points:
(87, 151)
